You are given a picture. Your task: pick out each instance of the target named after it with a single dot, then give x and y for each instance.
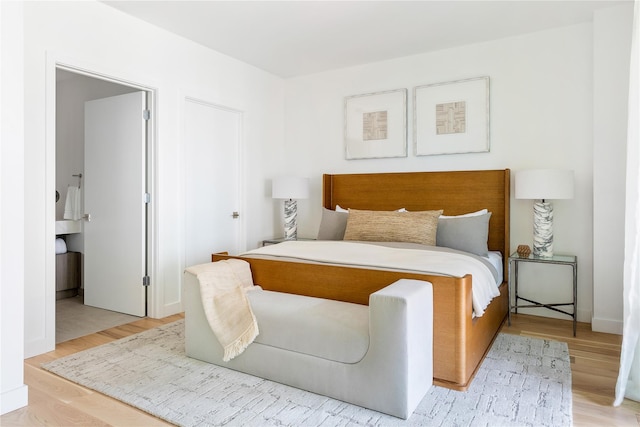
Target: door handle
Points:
(87, 217)
(235, 215)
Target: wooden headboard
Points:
(457, 192)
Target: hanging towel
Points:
(222, 287)
(72, 207)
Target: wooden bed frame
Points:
(460, 342)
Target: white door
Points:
(114, 189)
(212, 136)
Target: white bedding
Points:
(455, 264)
(495, 258)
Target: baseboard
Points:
(607, 326)
(14, 399)
(168, 310)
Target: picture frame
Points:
(452, 117)
(375, 125)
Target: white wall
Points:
(611, 54)
(541, 117)
(93, 36)
(13, 391)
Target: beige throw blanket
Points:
(222, 287)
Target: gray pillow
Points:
(469, 233)
(332, 225)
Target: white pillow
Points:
(477, 213)
(340, 209)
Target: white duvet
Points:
(484, 287)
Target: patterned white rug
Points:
(522, 382)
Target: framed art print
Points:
(375, 125)
(452, 117)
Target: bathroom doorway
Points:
(73, 90)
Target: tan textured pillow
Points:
(385, 226)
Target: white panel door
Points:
(113, 189)
(212, 136)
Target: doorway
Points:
(73, 89)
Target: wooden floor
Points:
(595, 359)
(54, 401)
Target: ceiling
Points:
(293, 38)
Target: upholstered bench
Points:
(377, 356)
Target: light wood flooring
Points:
(54, 401)
(595, 359)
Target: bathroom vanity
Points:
(67, 275)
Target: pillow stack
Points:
(468, 232)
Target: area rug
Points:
(522, 382)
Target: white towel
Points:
(72, 206)
(61, 246)
(222, 288)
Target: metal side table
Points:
(570, 260)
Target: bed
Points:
(461, 339)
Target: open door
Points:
(114, 186)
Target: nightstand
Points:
(281, 239)
(568, 260)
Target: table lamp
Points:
(290, 188)
(542, 185)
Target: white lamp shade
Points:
(540, 184)
(290, 187)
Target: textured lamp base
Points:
(290, 216)
(542, 230)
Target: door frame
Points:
(153, 292)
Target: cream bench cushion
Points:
(332, 330)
